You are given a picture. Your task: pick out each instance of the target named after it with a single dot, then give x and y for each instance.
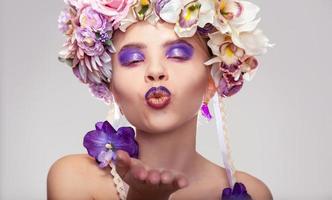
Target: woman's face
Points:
(152, 56)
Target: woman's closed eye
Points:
(130, 56)
(180, 51)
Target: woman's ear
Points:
(210, 90)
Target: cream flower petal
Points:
(254, 43)
(250, 26)
(250, 75)
(126, 22)
(248, 14)
(187, 32)
(214, 47)
(153, 18)
(206, 13)
(237, 75)
(216, 39)
(207, 6)
(63, 54)
(212, 61)
(143, 9)
(222, 27)
(171, 11)
(205, 18)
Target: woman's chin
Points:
(162, 123)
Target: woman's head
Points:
(152, 56)
(92, 30)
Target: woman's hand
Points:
(146, 183)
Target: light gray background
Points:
(280, 123)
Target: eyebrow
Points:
(143, 46)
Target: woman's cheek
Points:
(191, 90)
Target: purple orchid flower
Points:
(239, 192)
(103, 142)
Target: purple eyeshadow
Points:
(130, 55)
(180, 50)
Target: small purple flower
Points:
(103, 142)
(104, 37)
(88, 42)
(205, 111)
(239, 192)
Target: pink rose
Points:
(116, 9)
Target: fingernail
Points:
(182, 183)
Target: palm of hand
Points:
(147, 183)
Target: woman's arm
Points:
(78, 177)
(65, 181)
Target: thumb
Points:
(122, 163)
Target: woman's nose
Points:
(156, 74)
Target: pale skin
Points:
(168, 163)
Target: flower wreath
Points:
(229, 26)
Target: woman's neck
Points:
(174, 150)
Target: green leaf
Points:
(108, 42)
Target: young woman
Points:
(159, 82)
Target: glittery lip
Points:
(158, 97)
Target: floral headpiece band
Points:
(230, 26)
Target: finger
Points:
(122, 163)
(166, 177)
(138, 171)
(153, 177)
(180, 181)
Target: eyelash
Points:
(177, 57)
(134, 62)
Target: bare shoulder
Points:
(257, 189)
(78, 177)
(216, 174)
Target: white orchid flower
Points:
(254, 43)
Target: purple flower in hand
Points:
(239, 192)
(103, 142)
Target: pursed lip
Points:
(158, 97)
